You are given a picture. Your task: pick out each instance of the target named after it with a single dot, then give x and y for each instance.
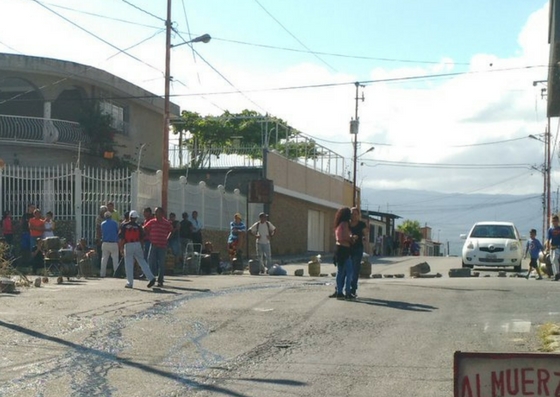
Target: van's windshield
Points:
(493, 231)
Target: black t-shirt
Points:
(185, 229)
(174, 232)
(25, 222)
(358, 230)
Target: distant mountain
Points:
(450, 215)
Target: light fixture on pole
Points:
(205, 38)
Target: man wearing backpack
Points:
(263, 230)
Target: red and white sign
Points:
(506, 374)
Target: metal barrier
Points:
(191, 258)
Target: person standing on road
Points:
(26, 244)
(553, 245)
(148, 216)
(36, 225)
(109, 245)
(263, 230)
(49, 225)
(185, 231)
(131, 235)
(197, 227)
(534, 248)
(359, 231)
(174, 241)
(159, 229)
(8, 228)
(237, 230)
(114, 213)
(342, 253)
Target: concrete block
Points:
(460, 272)
(420, 268)
(376, 276)
(400, 275)
(501, 273)
(7, 285)
(299, 273)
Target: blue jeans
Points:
(175, 245)
(157, 262)
(344, 277)
(147, 246)
(356, 267)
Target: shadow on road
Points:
(128, 363)
(415, 307)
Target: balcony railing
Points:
(316, 157)
(36, 129)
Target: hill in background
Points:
(450, 215)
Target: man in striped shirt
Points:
(159, 230)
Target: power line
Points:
(443, 165)
(96, 36)
(143, 10)
(291, 34)
(103, 16)
(363, 57)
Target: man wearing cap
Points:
(263, 230)
(131, 235)
(109, 245)
(159, 229)
(235, 239)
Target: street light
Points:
(205, 38)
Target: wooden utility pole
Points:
(354, 128)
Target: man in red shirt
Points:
(159, 230)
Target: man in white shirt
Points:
(263, 230)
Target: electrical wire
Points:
(143, 10)
(102, 16)
(443, 165)
(294, 37)
(363, 57)
(95, 36)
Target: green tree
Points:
(411, 228)
(249, 127)
(97, 126)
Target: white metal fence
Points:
(75, 195)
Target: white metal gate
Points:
(315, 231)
(75, 195)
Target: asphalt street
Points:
(264, 335)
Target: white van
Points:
(496, 244)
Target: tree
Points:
(97, 126)
(251, 128)
(411, 228)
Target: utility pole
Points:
(354, 128)
(548, 167)
(165, 148)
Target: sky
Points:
(449, 87)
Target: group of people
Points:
(350, 233)
(551, 247)
(34, 226)
(262, 230)
(145, 243)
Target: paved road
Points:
(263, 336)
